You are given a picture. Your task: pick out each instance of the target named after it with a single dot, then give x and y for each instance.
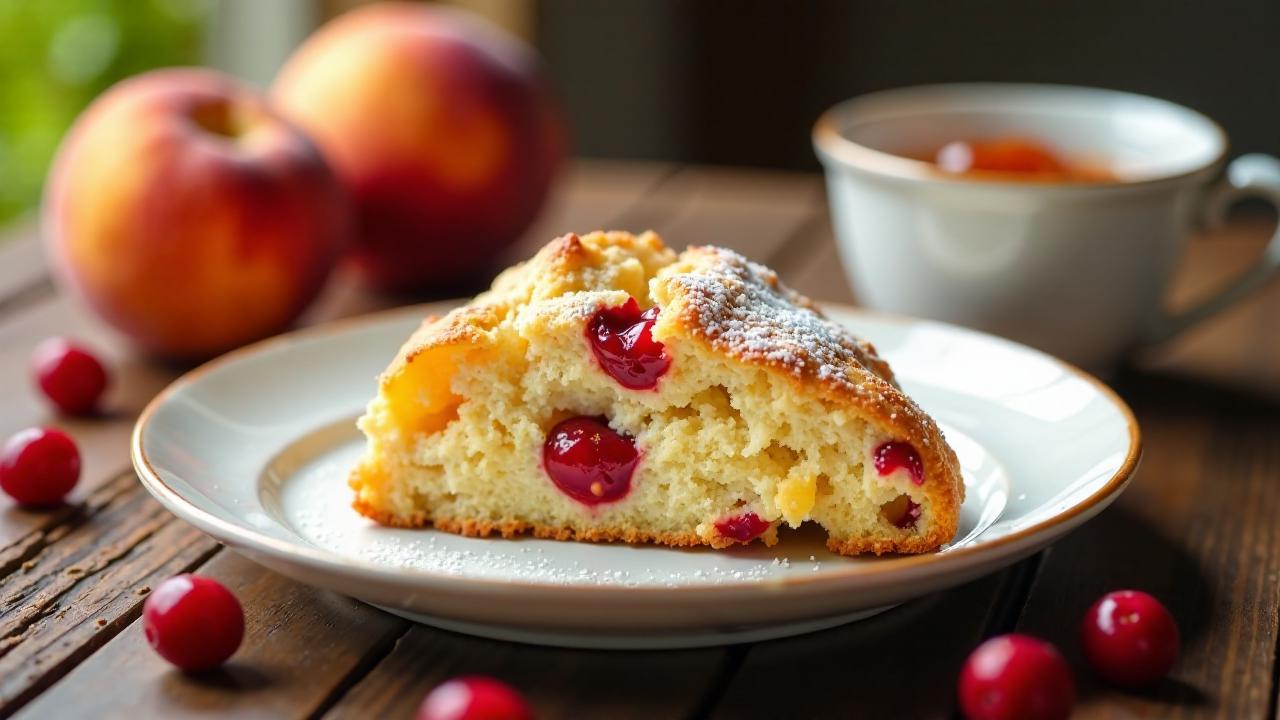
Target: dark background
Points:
(742, 82)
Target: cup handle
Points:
(1248, 176)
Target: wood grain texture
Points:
(1197, 528)
(70, 587)
(280, 689)
(301, 646)
(900, 664)
(591, 195)
(23, 279)
(817, 270)
(103, 441)
(559, 683)
(754, 212)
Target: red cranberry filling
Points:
(901, 512)
(589, 461)
(897, 454)
(622, 339)
(743, 528)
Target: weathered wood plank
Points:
(559, 683)
(263, 693)
(1197, 528)
(901, 664)
(104, 440)
(1219, 576)
(1209, 457)
(68, 589)
(591, 195)
(23, 278)
(758, 213)
(301, 647)
(818, 272)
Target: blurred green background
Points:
(678, 80)
(56, 55)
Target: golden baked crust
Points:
(769, 345)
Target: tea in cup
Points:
(1070, 253)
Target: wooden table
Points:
(1198, 527)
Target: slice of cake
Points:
(609, 389)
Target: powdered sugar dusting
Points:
(742, 308)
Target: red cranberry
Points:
(622, 339)
(901, 512)
(743, 528)
(39, 466)
(193, 622)
(1130, 638)
(589, 461)
(69, 375)
(474, 698)
(1016, 677)
(897, 454)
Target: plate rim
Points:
(884, 569)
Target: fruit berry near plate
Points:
(189, 215)
(1016, 677)
(194, 622)
(39, 466)
(474, 698)
(442, 128)
(69, 375)
(1130, 638)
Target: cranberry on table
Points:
(39, 466)
(1129, 638)
(69, 375)
(193, 622)
(474, 698)
(1016, 677)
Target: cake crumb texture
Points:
(767, 408)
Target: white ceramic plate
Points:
(254, 448)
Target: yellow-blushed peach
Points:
(442, 128)
(190, 215)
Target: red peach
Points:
(441, 127)
(190, 215)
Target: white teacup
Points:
(1075, 268)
